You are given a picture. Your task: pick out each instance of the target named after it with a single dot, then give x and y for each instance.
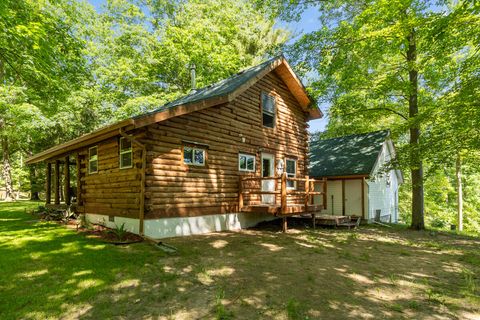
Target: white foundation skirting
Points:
(184, 226)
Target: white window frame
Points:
(122, 152)
(193, 156)
(90, 160)
(247, 156)
(274, 113)
(291, 175)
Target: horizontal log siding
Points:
(111, 191)
(174, 189)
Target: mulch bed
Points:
(104, 234)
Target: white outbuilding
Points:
(358, 180)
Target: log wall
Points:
(111, 191)
(174, 189)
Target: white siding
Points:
(382, 196)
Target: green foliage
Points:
(119, 231)
(141, 54)
(66, 69)
(221, 313)
(295, 311)
(358, 64)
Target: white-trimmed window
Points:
(268, 110)
(246, 162)
(194, 156)
(291, 170)
(93, 160)
(126, 154)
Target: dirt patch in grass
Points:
(369, 273)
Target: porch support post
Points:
(343, 197)
(57, 182)
(48, 186)
(284, 224)
(66, 185)
(283, 193)
(79, 181)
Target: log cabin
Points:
(223, 157)
(359, 179)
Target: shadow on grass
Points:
(49, 271)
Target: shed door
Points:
(353, 197)
(268, 171)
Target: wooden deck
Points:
(276, 209)
(285, 202)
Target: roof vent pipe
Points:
(193, 76)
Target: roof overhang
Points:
(279, 65)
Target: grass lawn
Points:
(49, 272)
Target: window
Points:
(268, 110)
(291, 169)
(193, 156)
(93, 160)
(126, 155)
(246, 162)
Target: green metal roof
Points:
(219, 89)
(345, 156)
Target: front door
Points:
(268, 171)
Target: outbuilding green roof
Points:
(345, 156)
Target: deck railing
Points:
(308, 192)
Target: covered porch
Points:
(60, 192)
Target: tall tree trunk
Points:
(416, 161)
(7, 170)
(458, 175)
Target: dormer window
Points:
(268, 110)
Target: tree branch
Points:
(379, 109)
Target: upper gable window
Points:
(125, 153)
(268, 110)
(93, 160)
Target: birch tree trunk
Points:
(458, 175)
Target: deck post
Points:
(66, 185)
(240, 193)
(307, 193)
(284, 193)
(284, 224)
(48, 186)
(57, 182)
(343, 197)
(79, 181)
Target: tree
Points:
(141, 52)
(385, 64)
(40, 62)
